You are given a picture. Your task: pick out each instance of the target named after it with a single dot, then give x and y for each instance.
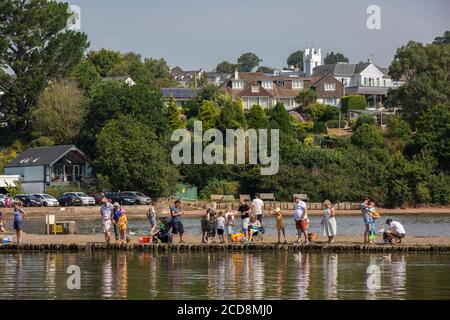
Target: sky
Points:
(197, 34)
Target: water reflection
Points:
(330, 267)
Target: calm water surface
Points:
(226, 275)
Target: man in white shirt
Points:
(396, 233)
(106, 210)
(257, 207)
(301, 219)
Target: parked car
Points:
(86, 200)
(124, 198)
(133, 197)
(70, 199)
(28, 200)
(47, 200)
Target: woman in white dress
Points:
(328, 221)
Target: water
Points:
(226, 275)
(415, 225)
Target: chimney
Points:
(236, 74)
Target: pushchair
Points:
(163, 235)
(258, 233)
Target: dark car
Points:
(28, 200)
(133, 197)
(70, 199)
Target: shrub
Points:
(58, 191)
(319, 127)
(216, 186)
(335, 124)
(353, 102)
(365, 118)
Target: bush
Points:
(58, 191)
(319, 127)
(367, 136)
(356, 102)
(216, 186)
(364, 118)
(335, 124)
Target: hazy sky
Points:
(201, 33)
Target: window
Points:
(238, 84)
(378, 82)
(330, 101)
(297, 84)
(330, 86)
(255, 89)
(384, 83)
(267, 84)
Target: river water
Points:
(415, 225)
(225, 275)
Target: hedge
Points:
(335, 124)
(357, 102)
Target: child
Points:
(229, 223)
(19, 215)
(280, 223)
(122, 225)
(221, 226)
(2, 226)
(373, 216)
(254, 226)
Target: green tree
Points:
(208, 114)
(231, 116)
(354, 102)
(398, 133)
(444, 39)
(86, 75)
(295, 59)
(332, 58)
(305, 98)
(129, 152)
(427, 82)
(367, 136)
(104, 60)
(264, 69)
(174, 115)
(256, 118)
(227, 67)
(365, 119)
(60, 113)
(281, 119)
(248, 61)
(35, 46)
(128, 62)
(322, 112)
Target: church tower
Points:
(311, 58)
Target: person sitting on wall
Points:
(396, 232)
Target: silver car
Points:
(47, 200)
(87, 200)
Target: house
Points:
(8, 181)
(180, 95)
(184, 77)
(44, 167)
(126, 79)
(217, 78)
(267, 90)
(363, 78)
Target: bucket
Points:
(146, 239)
(312, 236)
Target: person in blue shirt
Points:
(19, 215)
(365, 211)
(177, 226)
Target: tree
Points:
(35, 46)
(281, 119)
(398, 133)
(365, 119)
(444, 39)
(227, 67)
(256, 118)
(86, 75)
(367, 136)
(128, 153)
(60, 113)
(427, 84)
(208, 114)
(264, 69)
(128, 61)
(104, 60)
(332, 58)
(305, 98)
(174, 115)
(248, 61)
(295, 59)
(354, 102)
(322, 112)
(232, 116)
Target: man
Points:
(396, 232)
(177, 226)
(301, 219)
(245, 215)
(257, 207)
(106, 210)
(365, 208)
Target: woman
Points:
(328, 221)
(19, 215)
(212, 224)
(281, 228)
(205, 221)
(116, 214)
(151, 215)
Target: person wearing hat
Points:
(280, 223)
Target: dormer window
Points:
(255, 89)
(238, 84)
(267, 84)
(297, 84)
(330, 87)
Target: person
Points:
(279, 223)
(301, 219)
(151, 216)
(211, 229)
(205, 221)
(328, 221)
(19, 215)
(373, 216)
(245, 216)
(106, 210)
(221, 226)
(2, 223)
(116, 213)
(364, 207)
(229, 223)
(254, 226)
(396, 233)
(257, 207)
(177, 225)
(122, 225)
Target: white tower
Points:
(311, 58)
